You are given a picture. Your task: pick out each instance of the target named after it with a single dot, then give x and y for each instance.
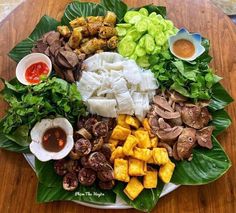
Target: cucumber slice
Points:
(134, 57)
(132, 32)
(140, 51)
(125, 25)
(132, 17)
(143, 11)
(153, 15)
(160, 39)
(142, 25)
(126, 47)
(169, 24)
(142, 41)
(157, 50)
(121, 31)
(149, 43)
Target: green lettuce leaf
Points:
(146, 201)
(22, 49)
(205, 167)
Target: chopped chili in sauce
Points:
(34, 71)
(54, 139)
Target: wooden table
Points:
(18, 182)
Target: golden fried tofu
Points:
(166, 171)
(160, 156)
(147, 127)
(142, 154)
(75, 38)
(150, 179)
(143, 138)
(113, 144)
(132, 121)
(121, 121)
(121, 170)
(129, 145)
(80, 21)
(64, 31)
(154, 142)
(117, 153)
(151, 160)
(120, 133)
(133, 188)
(136, 167)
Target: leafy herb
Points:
(29, 104)
(191, 79)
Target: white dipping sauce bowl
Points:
(29, 60)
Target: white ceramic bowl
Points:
(29, 60)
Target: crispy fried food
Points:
(133, 188)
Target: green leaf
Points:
(90, 194)
(50, 188)
(220, 97)
(22, 49)
(20, 136)
(146, 201)
(116, 6)
(205, 167)
(78, 9)
(49, 180)
(221, 121)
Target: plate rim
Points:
(167, 189)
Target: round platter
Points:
(119, 204)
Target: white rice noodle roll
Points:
(125, 103)
(131, 72)
(148, 82)
(120, 86)
(102, 106)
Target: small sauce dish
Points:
(32, 65)
(186, 46)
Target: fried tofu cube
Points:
(160, 156)
(129, 145)
(133, 188)
(142, 154)
(147, 127)
(121, 121)
(80, 21)
(154, 142)
(166, 172)
(121, 168)
(132, 121)
(120, 133)
(151, 160)
(150, 179)
(143, 139)
(113, 144)
(117, 153)
(136, 167)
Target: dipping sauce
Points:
(183, 48)
(34, 71)
(54, 139)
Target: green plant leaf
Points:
(220, 97)
(22, 49)
(146, 201)
(116, 6)
(49, 180)
(205, 167)
(50, 187)
(78, 9)
(90, 194)
(221, 120)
